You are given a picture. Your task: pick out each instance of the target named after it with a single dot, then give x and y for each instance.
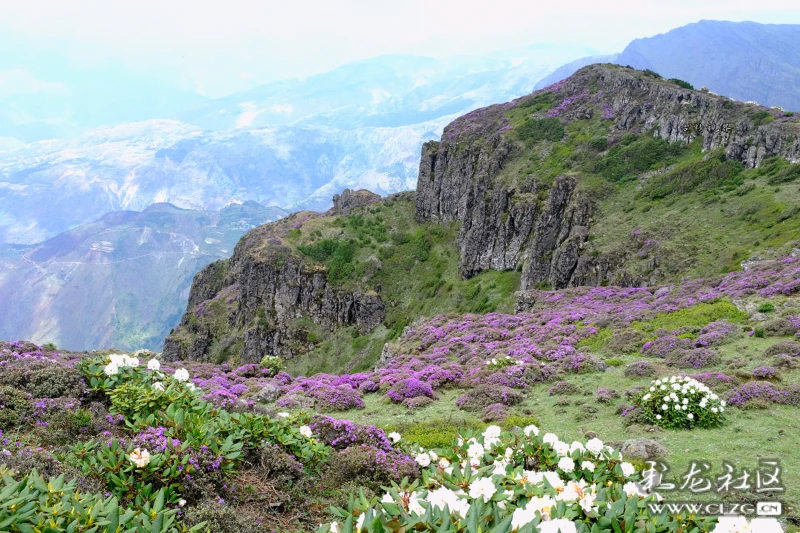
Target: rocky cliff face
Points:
(542, 227)
(257, 302)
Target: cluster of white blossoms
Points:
(140, 457)
(680, 397)
(503, 361)
(739, 524)
(117, 361)
(306, 431)
(574, 481)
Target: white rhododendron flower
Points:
(559, 525)
(305, 431)
(423, 459)
(475, 451)
(153, 364)
(111, 369)
(627, 469)
(561, 448)
(492, 432)
(443, 463)
(334, 527)
(594, 445)
(158, 386)
(360, 521)
(482, 488)
(394, 437)
(566, 464)
(531, 430)
(181, 502)
(588, 465)
(191, 386)
(522, 516)
(140, 457)
(550, 438)
(181, 375)
(283, 414)
(634, 489)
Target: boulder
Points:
(645, 449)
(268, 393)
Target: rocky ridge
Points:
(505, 223)
(271, 288)
(269, 296)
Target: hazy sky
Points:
(223, 46)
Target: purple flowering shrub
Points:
(762, 393)
(417, 402)
(696, 358)
(371, 466)
(409, 388)
(790, 348)
(341, 434)
(664, 346)
(496, 412)
(765, 372)
(605, 395)
(563, 388)
(482, 396)
(640, 369)
(716, 333)
(716, 379)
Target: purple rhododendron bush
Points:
(94, 439)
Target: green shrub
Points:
(540, 102)
(759, 332)
(681, 83)
(701, 408)
(635, 154)
(31, 504)
(598, 143)
(766, 307)
(778, 170)
(712, 173)
(370, 466)
(213, 517)
(15, 407)
(273, 363)
(539, 129)
(615, 361)
(43, 379)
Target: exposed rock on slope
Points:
(527, 186)
(511, 221)
(271, 289)
(345, 202)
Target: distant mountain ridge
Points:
(745, 61)
(742, 60)
(119, 281)
(294, 144)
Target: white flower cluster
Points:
(140, 457)
(117, 361)
(679, 400)
(739, 524)
(503, 362)
(490, 467)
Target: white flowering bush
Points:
(496, 363)
(520, 482)
(680, 402)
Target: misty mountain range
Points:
(100, 142)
